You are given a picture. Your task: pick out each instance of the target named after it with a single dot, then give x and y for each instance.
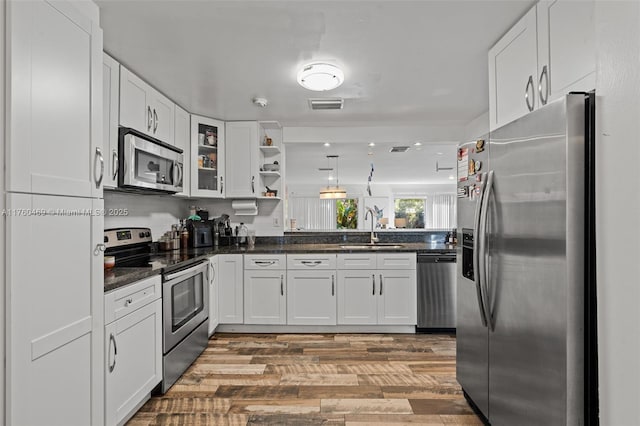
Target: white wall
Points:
(477, 127)
(157, 212)
(618, 210)
(268, 222)
(378, 134)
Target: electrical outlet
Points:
(276, 222)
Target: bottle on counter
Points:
(243, 233)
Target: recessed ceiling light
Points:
(418, 143)
(327, 144)
(439, 153)
(450, 177)
(372, 144)
(320, 76)
(330, 177)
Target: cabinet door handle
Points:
(333, 285)
(212, 273)
(253, 184)
(221, 186)
(155, 121)
(380, 284)
(101, 159)
(128, 301)
(545, 97)
(114, 164)
(526, 93)
(281, 285)
(112, 339)
(264, 262)
(373, 283)
(311, 263)
(149, 118)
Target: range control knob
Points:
(147, 234)
(141, 235)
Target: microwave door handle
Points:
(180, 174)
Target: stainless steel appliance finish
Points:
(526, 366)
(148, 164)
(185, 310)
(185, 303)
(436, 291)
(182, 356)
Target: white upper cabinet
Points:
(182, 129)
(145, 109)
(512, 72)
(206, 157)
(566, 48)
(110, 106)
(547, 54)
(242, 158)
(54, 76)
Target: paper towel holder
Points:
(245, 207)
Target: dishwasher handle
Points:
(432, 258)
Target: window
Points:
(347, 213)
(409, 212)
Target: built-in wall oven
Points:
(185, 313)
(148, 164)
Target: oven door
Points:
(147, 164)
(185, 303)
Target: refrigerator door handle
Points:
(476, 253)
(482, 244)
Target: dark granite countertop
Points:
(119, 277)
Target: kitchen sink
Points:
(370, 246)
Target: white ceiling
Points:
(404, 61)
(414, 167)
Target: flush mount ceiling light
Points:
(333, 192)
(320, 76)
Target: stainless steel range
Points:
(185, 298)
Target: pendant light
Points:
(333, 192)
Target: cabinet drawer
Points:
(311, 261)
(265, 261)
(357, 261)
(396, 261)
(122, 301)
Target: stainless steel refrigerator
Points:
(526, 351)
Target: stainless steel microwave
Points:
(148, 164)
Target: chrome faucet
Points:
(374, 237)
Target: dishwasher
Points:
(436, 292)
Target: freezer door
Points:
(472, 339)
(535, 222)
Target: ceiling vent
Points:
(326, 103)
(399, 149)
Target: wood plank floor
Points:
(314, 379)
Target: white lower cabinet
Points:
(357, 297)
(214, 279)
(397, 299)
(133, 347)
(265, 299)
(311, 297)
(367, 295)
(230, 289)
(265, 289)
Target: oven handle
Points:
(195, 270)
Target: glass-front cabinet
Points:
(207, 157)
